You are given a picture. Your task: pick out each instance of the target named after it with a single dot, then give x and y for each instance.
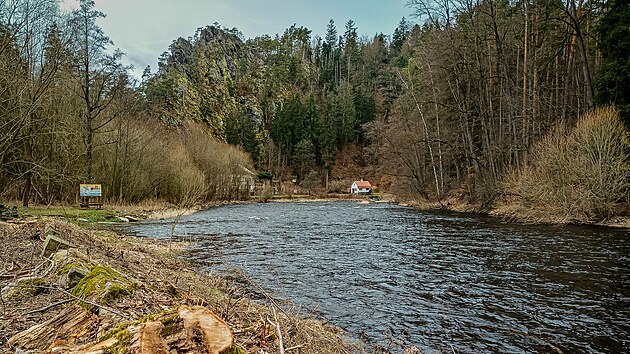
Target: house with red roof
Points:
(361, 187)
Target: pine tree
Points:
(613, 82)
(399, 36)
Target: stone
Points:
(132, 218)
(23, 288)
(122, 219)
(73, 277)
(60, 257)
(8, 212)
(53, 242)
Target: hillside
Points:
(454, 107)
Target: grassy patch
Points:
(70, 213)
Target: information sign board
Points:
(90, 190)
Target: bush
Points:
(577, 175)
(339, 186)
(264, 175)
(185, 166)
(228, 170)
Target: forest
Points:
(524, 103)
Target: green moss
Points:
(28, 288)
(170, 319)
(172, 328)
(116, 331)
(103, 282)
(65, 269)
(236, 349)
(116, 292)
(122, 334)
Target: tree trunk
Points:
(525, 71)
(26, 194)
(89, 146)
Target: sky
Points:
(143, 29)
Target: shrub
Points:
(580, 174)
(185, 166)
(264, 175)
(339, 186)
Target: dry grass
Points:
(137, 160)
(577, 176)
(163, 283)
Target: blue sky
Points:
(143, 29)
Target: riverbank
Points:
(109, 292)
(508, 212)
(504, 210)
(515, 213)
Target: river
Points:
(443, 282)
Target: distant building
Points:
(361, 187)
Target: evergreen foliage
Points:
(441, 109)
(613, 82)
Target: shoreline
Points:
(515, 214)
(125, 283)
(151, 280)
(505, 212)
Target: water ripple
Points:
(439, 281)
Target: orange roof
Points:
(363, 184)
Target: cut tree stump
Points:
(216, 337)
(189, 330)
(148, 339)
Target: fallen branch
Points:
(49, 307)
(279, 332)
(108, 309)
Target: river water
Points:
(443, 282)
